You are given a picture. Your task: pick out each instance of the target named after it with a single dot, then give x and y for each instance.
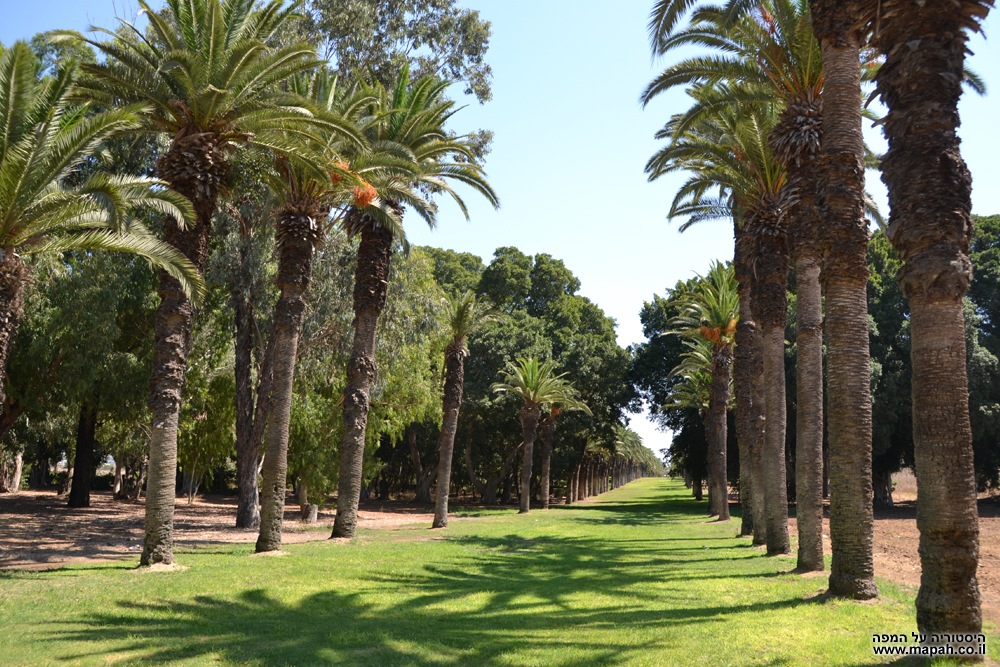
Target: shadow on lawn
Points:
(503, 598)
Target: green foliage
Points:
(44, 140)
(455, 272)
(432, 37)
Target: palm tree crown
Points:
(537, 384)
(44, 140)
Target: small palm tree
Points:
(462, 315)
(709, 315)
(537, 384)
(411, 150)
(547, 431)
(305, 199)
(207, 78)
(44, 141)
(728, 151)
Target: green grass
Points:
(637, 579)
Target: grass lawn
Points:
(638, 578)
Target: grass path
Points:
(637, 578)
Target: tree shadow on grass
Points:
(500, 599)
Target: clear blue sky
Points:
(571, 142)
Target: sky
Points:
(571, 141)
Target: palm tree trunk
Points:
(748, 384)
(13, 280)
(294, 273)
(79, 494)
(529, 426)
(930, 226)
(371, 282)
(452, 403)
(722, 363)
(172, 333)
(775, 490)
(809, 415)
(843, 241)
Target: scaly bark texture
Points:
(79, 493)
(722, 366)
(769, 254)
(297, 230)
(809, 416)
(796, 141)
(748, 385)
(195, 166)
(529, 425)
(930, 226)
(13, 279)
(843, 242)
(451, 402)
(371, 282)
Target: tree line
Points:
(772, 141)
(294, 335)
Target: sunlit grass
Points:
(638, 578)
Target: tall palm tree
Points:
(537, 384)
(843, 242)
(48, 200)
(301, 221)
(768, 54)
(410, 149)
(748, 387)
(207, 79)
(728, 150)
(930, 226)
(710, 313)
(463, 315)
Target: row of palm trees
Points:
(773, 141)
(212, 76)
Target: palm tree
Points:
(748, 386)
(50, 203)
(301, 225)
(843, 242)
(710, 313)
(728, 150)
(463, 315)
(207, 78)
(537, 385)
(411, 150)
(931, 228)
(769, 54)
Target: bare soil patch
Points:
(897, 540)
(38, 531)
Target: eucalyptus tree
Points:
(462, 315)
(411, 149)
(924, 46)
(207, 80)
(727, 151)
(49, 203)
(536, 384)
(305, 199)
(547, 431)
(710, 313)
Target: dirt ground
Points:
(897, 539)
(38, 531)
